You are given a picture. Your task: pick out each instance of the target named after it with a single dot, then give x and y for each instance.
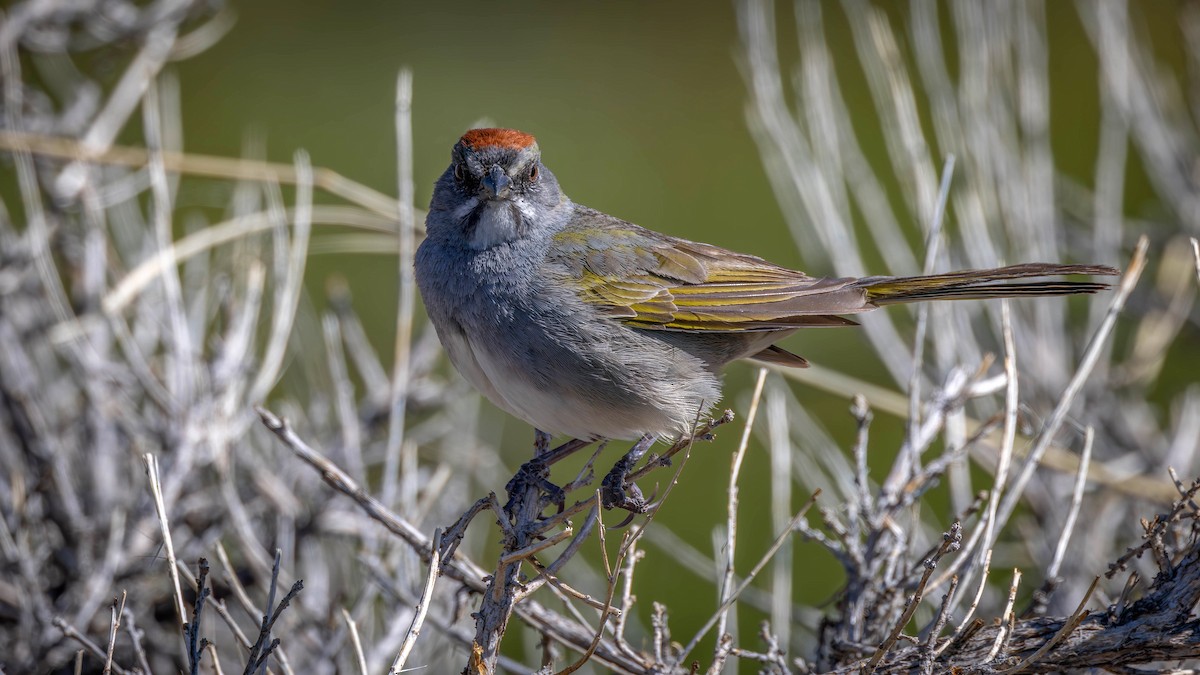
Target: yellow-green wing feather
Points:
(657, 282)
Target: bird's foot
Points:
(533, 475)
(617, 491)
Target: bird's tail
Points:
(979, 284)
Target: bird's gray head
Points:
(495, 190)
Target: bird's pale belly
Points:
(563, 409)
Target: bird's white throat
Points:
(498, 221)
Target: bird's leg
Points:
(615, 490)
(541, 442)
(563, 451)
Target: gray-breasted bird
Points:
(583, 324)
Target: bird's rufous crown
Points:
(511, 139)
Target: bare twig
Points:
(114, 625)
(1060, 550)
(405, 295)
(943, 615)
(731, 508)
(414, 629)
(932, 241)
(135, 636)
(193, 643)
(359, 659)
(260, 651)
(1006, 619)
(165, 530)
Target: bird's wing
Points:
(653, 281)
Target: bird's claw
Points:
(617, 492)
(534, 474)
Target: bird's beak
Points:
(496, 183)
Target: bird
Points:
(586, 325)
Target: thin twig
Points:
(1006, 618)
(627, 598)
(537, 546)
(933, 240)
(414, 629)
(135, 636)
(1060, 550)
(360, 659)
(731, 507)
(544, 575)
(216, 661)
(156, 489)
(194, 644)
(114, 625)
(929, 653)
(262, 648)
(402, 349)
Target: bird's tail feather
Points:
(980, 284)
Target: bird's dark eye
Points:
(459, 172)
(533, 173)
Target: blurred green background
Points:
(639, 110)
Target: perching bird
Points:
(583, 324)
